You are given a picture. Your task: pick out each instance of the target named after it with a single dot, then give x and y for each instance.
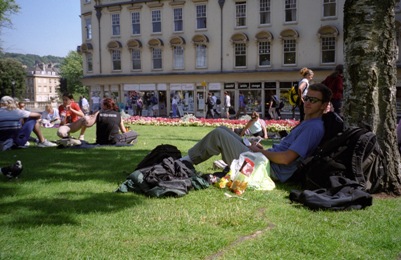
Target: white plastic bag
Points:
(259, 179)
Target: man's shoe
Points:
(12, 171)
(7, 144)
(69, 142)
(46, 143)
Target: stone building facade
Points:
(187, 48)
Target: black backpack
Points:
(157, 155)
(344, 194)
(353, 154)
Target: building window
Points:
(201, 57)
(264, 53)
(290, 51)
(115, 20)
(156, 21)
(116, 56)
(136, 23)
(157, 58)
(178, 23)
(88, 27)
(87, 1)
(240, 14)
(201, 17)
(328, 49)
(136, 59)
(329, 8)
(264, 11)
(178, 57)
(240, 54)
(89, 62)
(290, 10)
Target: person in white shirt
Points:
(227, 104)
(85, 105)
(50, 116)
(215, 105)
(95, 103)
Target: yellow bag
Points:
(293, 97)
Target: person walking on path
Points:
(210, 105)
(227, 104)
(303, 85)
(242, 105)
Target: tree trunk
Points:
(371, 76)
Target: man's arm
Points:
(284, 157)
(122, 127)
(35, 115)
(75, 111)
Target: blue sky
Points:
(44, 27)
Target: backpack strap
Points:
(362, 149)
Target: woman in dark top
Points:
(109, 125)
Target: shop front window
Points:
(185, 101)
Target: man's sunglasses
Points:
(313, 100)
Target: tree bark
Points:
(370, 77)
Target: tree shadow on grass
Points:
(65, 209)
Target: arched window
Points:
(177, 44)
(240, 40)
(115, 51)
(135, 46)
(87, 50)
(263, 40)
(200, 42)
(328, 38)
(289, 39)
(156, 46)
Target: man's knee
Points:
(63, 131)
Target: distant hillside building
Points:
(186, 48)
(43, 82)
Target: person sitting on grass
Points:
(16, 126)
(284, 156)
(50, 117)
(72, 118)
(109, 125)
(255, 127)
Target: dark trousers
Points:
(126, 138)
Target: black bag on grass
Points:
(344, 194)
(157, 155)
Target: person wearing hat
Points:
(16, 126)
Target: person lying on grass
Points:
(284, 156)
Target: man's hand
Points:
(255, 147)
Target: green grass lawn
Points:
(63, 207)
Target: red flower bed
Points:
(190, 120)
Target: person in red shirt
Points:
(335, 82)
(72, 118)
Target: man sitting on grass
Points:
(16, 126)
(284, 156)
